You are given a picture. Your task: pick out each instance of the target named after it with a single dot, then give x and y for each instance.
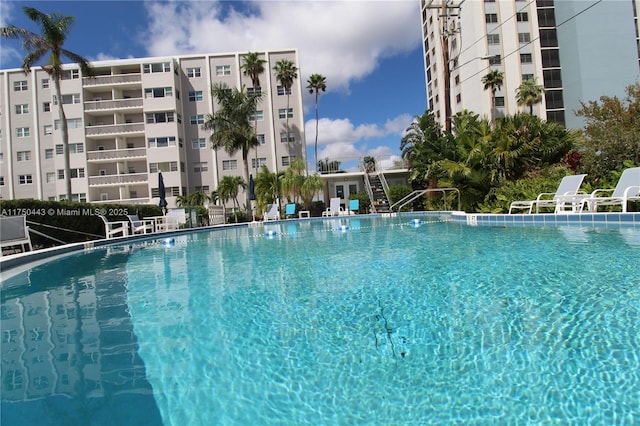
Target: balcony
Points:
(116, 154)
(112, 129)
(112, 79)
(122, 179)
(113, 104)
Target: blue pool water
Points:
(344, 321)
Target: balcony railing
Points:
(128, 178)
(113, 104)
(336, 165)
(112, 79)
(116, 154)
(114, 128)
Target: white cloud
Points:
(336, 131)
(342, 40)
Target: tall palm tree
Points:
(231, 124)
(54, 29)
(493, 81)
(286, 72)
(316, 83)
(293, 180)
(268, 186)
(529, 93)
(253, 66)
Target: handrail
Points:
(385, 185)
(416, 194)
(367, 184)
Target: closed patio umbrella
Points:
(162, 192)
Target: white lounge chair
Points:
(115, 229)
(173, 220)
(140, 226)
(334, 208)
(566, 196)
(627, 189)
(272, 212)
(14, 232)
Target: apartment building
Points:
(133, 119)
(578, 50)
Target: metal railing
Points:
(112, 79)
(417, 194)
(116, 154)
(114, 128)
(113, 104)
(127, 178)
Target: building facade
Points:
(133, 119)
(578, 50)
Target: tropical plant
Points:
(268, 187)
(312, 185)
(197, 198)
(231, 124)
(316, 83)
(54, 31)
(286, 72)
(293, 180)
(493, 82)
(253, 66)
(369, 164)
(529, 93)
(326, 166)
(228, 189)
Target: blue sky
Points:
(369, 51)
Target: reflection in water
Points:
(69, 355)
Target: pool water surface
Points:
(324, 322)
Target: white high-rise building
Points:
(578, 50)
(133, 119)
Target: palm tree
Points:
(493, 81)
(529, 93)
(286, 72)
(231, 124)
(312, 185)
(228, 189)
(315, 84)
(268, 186)
(54, 29)
(253, 66)
(293, 180)
(369, 164)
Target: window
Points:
(284, 113)
(161, 142)
(48, 129)
(77, 173)
(340, 191)
(254, 90)
(524, 37)
(229, 164)
(198, 143)
(72, 123)
(552, 78)
(1, 180)
(261, 162)
(23, 155)
(203, 188)
(22, 109)
(193, 72)
(20, 86)
(160, 117)
(169, 166)
(76, 148)
(195, 96)
(50, 177)
(223, 70)
(157, 67)
(158, 92)
(499, 101)
(48, 154)
(491, 18)
(60, 174)
(495, 60)
(22, 132)
(282, 91)
(261, 139)
(287, 159)
(526, 77)
(493, 38)
(458, 98)
(525, 58)
(70, 75)
(45, 83)
(197, 119)
(522, 16)
(258, 116)
(46, 106)
(25, 179)
(68, 99)
(59, 149)
(200, 167)
(291, 137)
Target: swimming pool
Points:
(340, 321)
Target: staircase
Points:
(379, 200)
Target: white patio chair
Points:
(334, 208)
(115, 229)
(14, 232)
(140, 226)
(566, 195)
(627, 189)
(272, 212)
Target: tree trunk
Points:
(64, 130)
(316, 144)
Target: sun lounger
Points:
(627, 189)
(566, 196)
